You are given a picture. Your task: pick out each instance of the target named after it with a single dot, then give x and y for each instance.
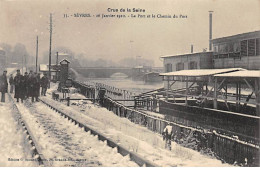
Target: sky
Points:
(117, 38)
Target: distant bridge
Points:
(103, 72)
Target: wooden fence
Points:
(226, 148)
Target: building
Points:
(2, 60)
(138, 72)
(201, 60)
(55, 69)
(241, 50)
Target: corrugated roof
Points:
(247, 35)
(242, 73)
(187, 54)
(200, 72)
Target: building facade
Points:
(237, 51)
(202, 60)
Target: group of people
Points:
(27, 85)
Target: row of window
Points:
(250, 47)
(180, 66)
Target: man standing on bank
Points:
(18, 92)
(3, 85)
(44, 84)
(167, 136)
(11, 82)
(33, 90)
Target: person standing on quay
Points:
(167, 136)
(26, 76)
(33, 86)
(44, 84)
(38, 85)
(18, 93)
(3, 85)
(11, 82)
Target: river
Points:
(128, 84)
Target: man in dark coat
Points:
(3, 85)
(18, 94)
(26, 84)
(38, 86)
(32, 80)
(11, 82)
(44, 84)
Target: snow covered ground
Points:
(65, 144)
(12, 140)
(134, 137)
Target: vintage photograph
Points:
(129, 83)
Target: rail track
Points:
(37, 150)
(120, 149)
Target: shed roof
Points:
(247, 35)
(200, 72)
(45, 67)
(242, 74)
(65, 60)
(187, 54)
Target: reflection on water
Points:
(127, 84)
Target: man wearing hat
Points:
(18, 80)
(44, 84)
(26, 83)
(3, 85)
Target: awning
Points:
(200, 72)
(242, 74)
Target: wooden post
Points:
(257, 98)
(168, 88)
(68, 101)
(186, 93)
(237, 96)
(215, 101)
(206, 87)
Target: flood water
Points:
(128, 84)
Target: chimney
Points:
(191, 48)
(210, 30)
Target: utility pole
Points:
(57, 59)
(210, 30)
(36, 54)
(22, 63)
(25, 63)
(50, 46)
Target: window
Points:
(236, 47)
(251, 47)
(215, 48)
(168, 67)
(258, 46)
(243, 48)
(223, 48)
(179, 66)
(192, 65)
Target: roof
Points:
(200, 72)
(45, 67)
(241, 73)
(65, 61)
(60, 54)
(142, 67)
(248, 35)
(152, 73)
(188, 54)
